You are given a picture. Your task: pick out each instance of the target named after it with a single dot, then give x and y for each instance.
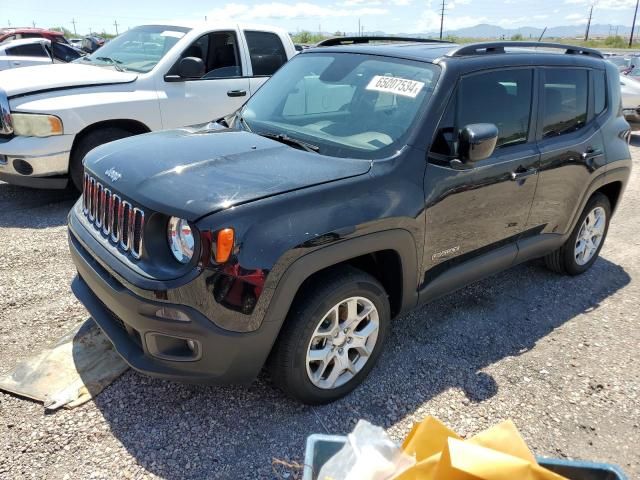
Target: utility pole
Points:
(73, 21)
(633, 25)
(359, 28)
(442, 18)
(115, 24)
(33, 22)
(586, 34)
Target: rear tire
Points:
(582, 248)
(88, 143)
(325, 323)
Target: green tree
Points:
(517, 37)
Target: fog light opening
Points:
(191, 345)
(22, 167)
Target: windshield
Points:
(346, 104)
(138, 49)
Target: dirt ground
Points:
(558, 355)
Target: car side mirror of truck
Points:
(477, 141)
(188, 68)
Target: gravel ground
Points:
(557, 355)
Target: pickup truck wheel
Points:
(332, 338)
(88, 143)
(582, 248)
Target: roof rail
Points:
(334, 41)
(498, 47)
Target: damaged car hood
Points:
(194, 172)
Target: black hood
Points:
(191, 172)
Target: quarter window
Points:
(565, 101)
(266, 52)
(599, 91)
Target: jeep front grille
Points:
(115, 218)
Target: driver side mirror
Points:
(188, 68)
(477, 141)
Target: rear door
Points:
(570, 143)
(476, 209)
(220, 91)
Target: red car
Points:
(8, 34)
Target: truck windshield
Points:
(138, 49)
(345, 104)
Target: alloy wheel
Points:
(342, 342)
(590, 235)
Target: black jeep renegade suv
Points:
(358, 182)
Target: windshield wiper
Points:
(287, 140)
(113, 62)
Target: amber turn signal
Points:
(224, 245)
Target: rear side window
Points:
(599, 91)
(565, 101)
(266, 52)
(34, 50)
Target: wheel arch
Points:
(134, 126)
(385, 255)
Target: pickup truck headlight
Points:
(181, 240)
(34, 125)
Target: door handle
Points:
(237, 93)
(591, 153)
(520, 175)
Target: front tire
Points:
(582, 248)
(88, 143)
(332, 337)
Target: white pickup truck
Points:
(152, 77)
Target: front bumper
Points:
(632, 116)
(36, 162)
(157, 346)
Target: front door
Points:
(476, 209)
(219, 92)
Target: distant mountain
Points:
(486, 31)
(568, 31)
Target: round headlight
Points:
(181, 239)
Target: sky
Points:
(391, 16)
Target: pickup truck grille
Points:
(117, 220)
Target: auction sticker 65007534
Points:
(399, 86)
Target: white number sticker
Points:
(399, 86)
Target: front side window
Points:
(347, 104)
(266, 52)
(138, 50)
(564, 100)
(219, 53)
(64, 52)
(501, 97)
(32, 50)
